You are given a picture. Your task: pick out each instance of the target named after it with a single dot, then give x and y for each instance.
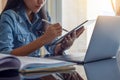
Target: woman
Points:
(21, 30)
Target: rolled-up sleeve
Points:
(51, 49)
(6, 36)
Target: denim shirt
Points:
(16, 30)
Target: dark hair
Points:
(13, 4)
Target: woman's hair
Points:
(13, 4)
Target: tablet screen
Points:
(76, 28)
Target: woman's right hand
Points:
(53, 31)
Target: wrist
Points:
(46, 39)
(43, 40)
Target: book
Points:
(35, 75)
(32, 64)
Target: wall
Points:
(74, 13)
(55, 10)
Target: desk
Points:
(80, 69)
(100, 70)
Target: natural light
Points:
(99, 7)
(77, 11)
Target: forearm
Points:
(31, 47)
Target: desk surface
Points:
(100, 70)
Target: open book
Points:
(32, 64)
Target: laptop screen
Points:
(104, 41)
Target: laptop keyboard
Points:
(74, 58)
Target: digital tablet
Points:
(76, 28)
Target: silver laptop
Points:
(103, 44)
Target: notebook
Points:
(103, 44)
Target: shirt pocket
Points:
(23, 39)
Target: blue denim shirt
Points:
(16, 30)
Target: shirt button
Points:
(24, 39)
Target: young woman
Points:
(22, 31)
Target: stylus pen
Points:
(50, 23)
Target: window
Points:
(99, 7)
(74, 13)
(55, 10)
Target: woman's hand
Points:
(69, 39)
(79, 31)
(53, 31)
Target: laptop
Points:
(104, 42)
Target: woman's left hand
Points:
(69, 39)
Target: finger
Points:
(79, 32)
(80, 29)
(69, 37)
(74, 34)
(66, 40)
(57, 25)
